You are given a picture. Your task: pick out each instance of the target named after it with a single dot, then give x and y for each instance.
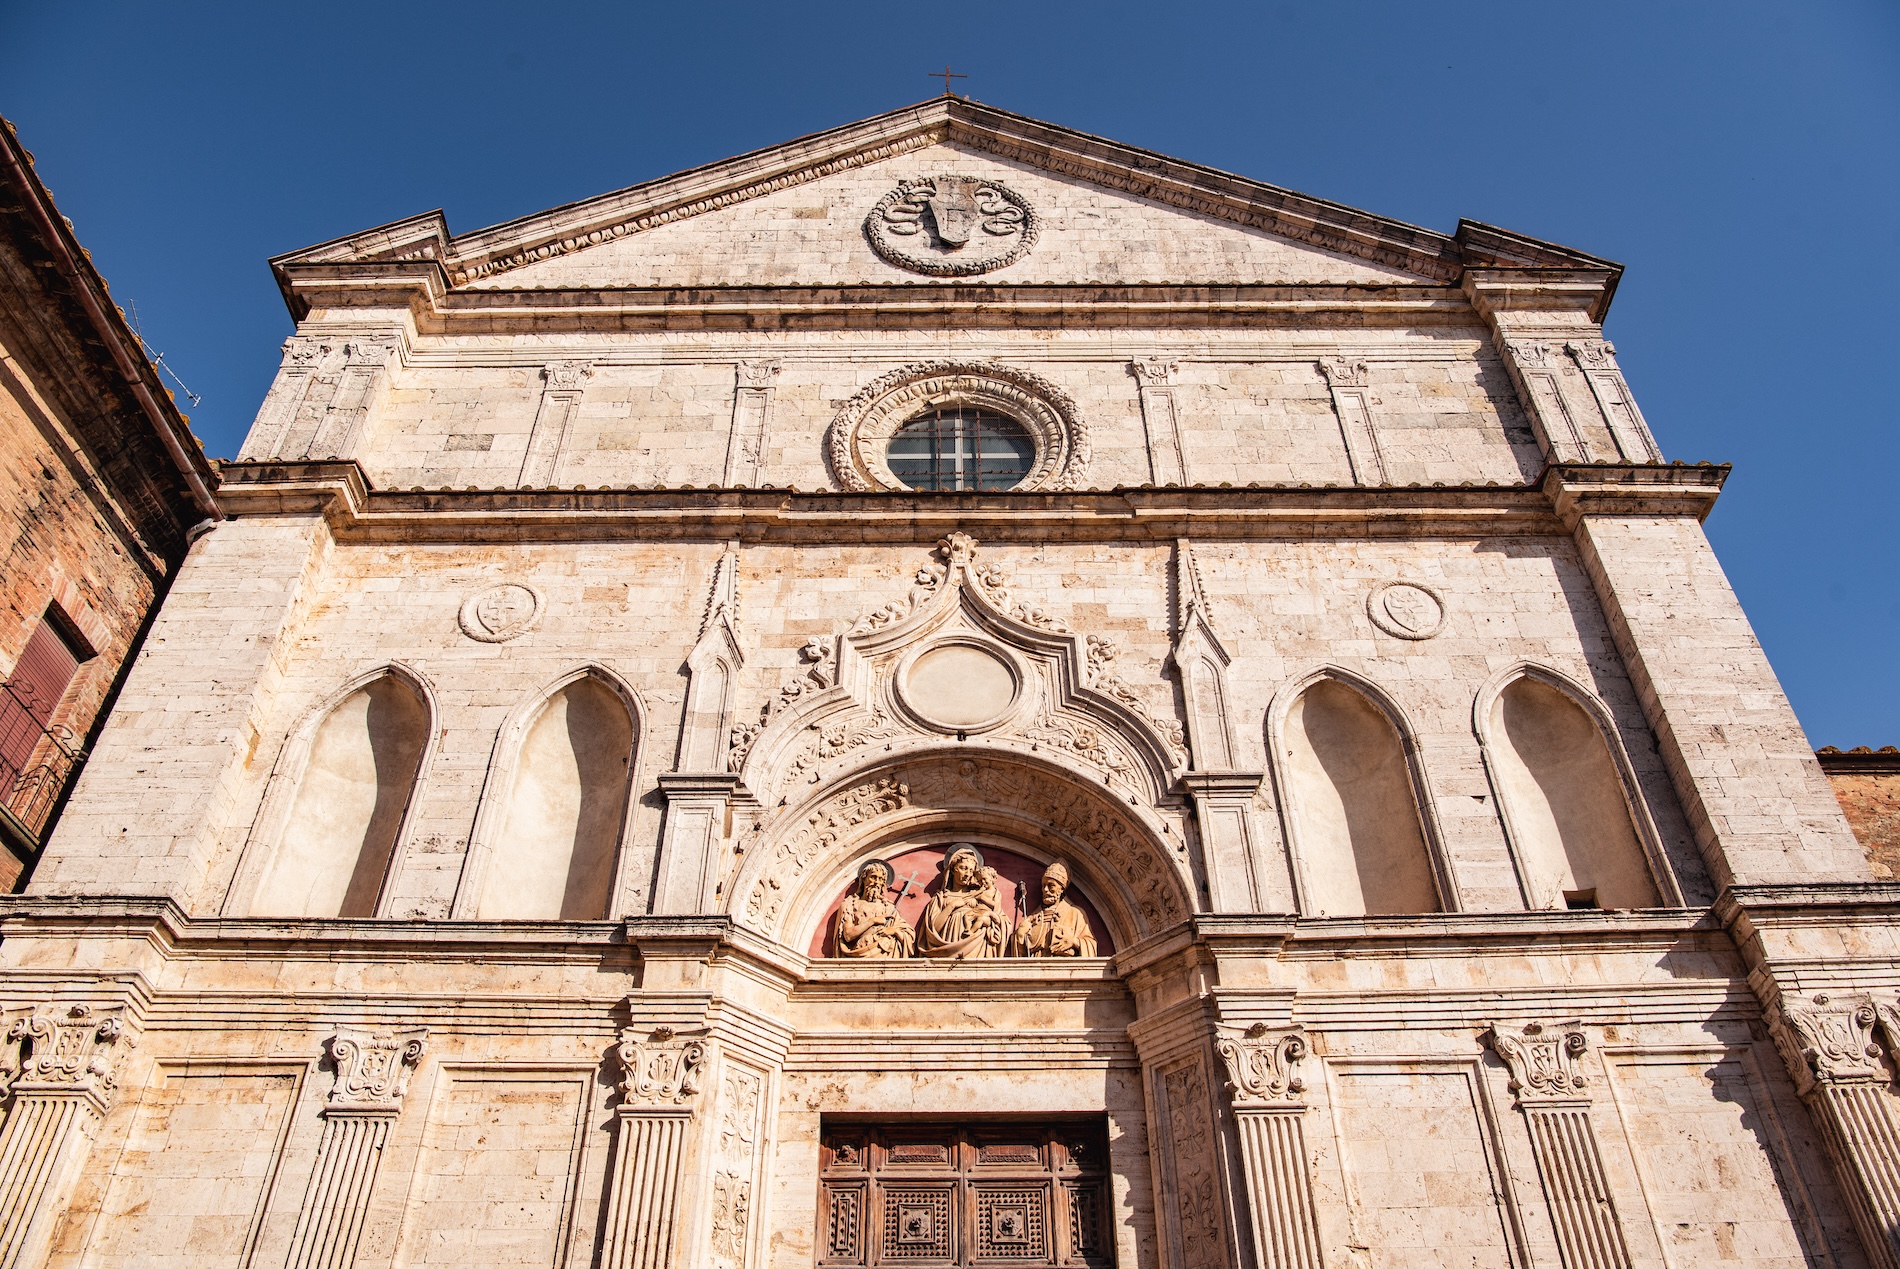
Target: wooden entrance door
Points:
(1008, 1194)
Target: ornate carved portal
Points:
(1020, 1194)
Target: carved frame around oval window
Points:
(860, 435)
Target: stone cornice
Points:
(1633, 489)
(339, 492)
(419, 290)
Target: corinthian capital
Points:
(661, 1070)
(1261, 1065)
(1155, 372)
(1345, 372)
(1542, 1060)
(372, 1070)
(567, 376)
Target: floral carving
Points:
(1830, 1041)
(661, 1070)
(821, 829)
(1542, 1060)
(951, 226)
(835, 740)
(865, 424)
(1155, 372)
(757, 375)
(1104, 678)
(1261, 1065)
(740, 1094)
(301, 353)
(1530, 353)
(818, 675)
(373, 1070)
(567, 376)
(68, 1047)
(1195, 1189)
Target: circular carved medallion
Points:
(1406, 610)
(951, 226)
(959, 687)
(500, 613)
(860, 436)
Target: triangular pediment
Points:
(798, 214)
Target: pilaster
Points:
(1269, 1110)
(360, 382)
(1195, 1173)
(564, 383)
(1551, 1092)
(751, 407)
(1829, 1044)
(1533, 315)
(1155, 383)
(372, 1076)
(1351, 384)
(1596, 358)
(661, 1072)
(62, 1081)
(305, 357)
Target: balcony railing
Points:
(36, 758)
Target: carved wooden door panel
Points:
(1003, 1194)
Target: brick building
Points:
(596, 799)
(101, 484)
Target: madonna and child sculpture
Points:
(964, 920)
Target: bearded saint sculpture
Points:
(1058, 927)
(868, 923)
(964, 920)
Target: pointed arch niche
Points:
(1564, 791)
(327, 837)
(546, 845)
(1352, 801)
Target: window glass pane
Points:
(959, 447)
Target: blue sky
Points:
(1741, 158)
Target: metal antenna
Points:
(158, 358)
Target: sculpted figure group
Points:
(964, 920)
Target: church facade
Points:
(951, 693)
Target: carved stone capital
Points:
(303, 353)
(69, 1049)
(1542, 1060)
(1829, 1041)
(1262, 1065)
(1531, 353)
(1593, 354)
(1345, 372)
(661, 1070)
(370, 352)
(373, 1069)
(757, 374)
(1155, 372)
(567, 376)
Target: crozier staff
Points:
(868, 923)
(964, 920)
(1058, 927)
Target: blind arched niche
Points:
(1350, 802)
(333, 850)
(1564, 801)
(552, 850)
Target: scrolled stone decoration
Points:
(72, 1047)
(868, 925)
(952, 226)
(1407, 610)
(663, 1069)
(1262, 1065)
(372, 1071)
(862, 430)
(1542, 1060)
(1058, 927)
(500, 613)
(1828, 1041)
(964, 920)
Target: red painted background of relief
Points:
(1015, 874)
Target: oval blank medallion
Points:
(957, 685)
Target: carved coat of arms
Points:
(951, 226)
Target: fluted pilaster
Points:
(1551, 1093)
(659, 1092)
(1270, 1110)
(372, 1075)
